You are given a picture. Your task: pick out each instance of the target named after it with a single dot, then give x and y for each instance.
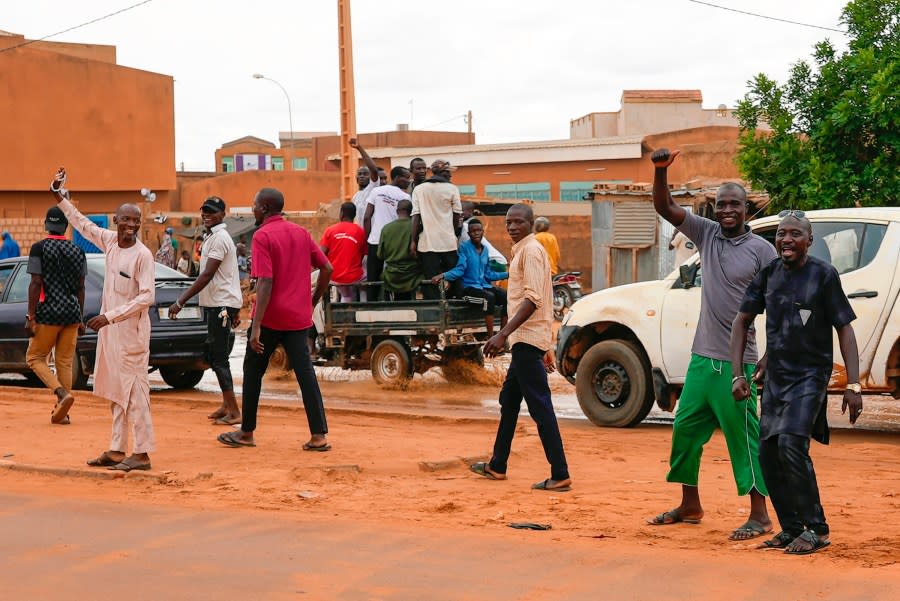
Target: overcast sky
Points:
(524, 68)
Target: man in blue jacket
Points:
(472, 268)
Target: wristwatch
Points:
(854, 388)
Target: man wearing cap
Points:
(55, 309)
(123, 330)
(219, 287)
(437, 214)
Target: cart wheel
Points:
(391, 365)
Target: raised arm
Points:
(96, 235)
(667, 208)
(373, 168)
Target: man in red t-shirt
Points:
(284, 256)
(344, 243)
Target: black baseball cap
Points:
(214, 204)
(56, 222)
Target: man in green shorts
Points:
(731, 256)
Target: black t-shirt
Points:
(63, 267)
(802, 309)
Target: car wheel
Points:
(612, 383)
(178, 377)
(562, 300)
(79, 378)
(391, 364)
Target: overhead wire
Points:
(744, 12)
(86, 23)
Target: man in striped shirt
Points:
(530, 337)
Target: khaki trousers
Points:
(46, 338)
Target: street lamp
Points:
(290, 116)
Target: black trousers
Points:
(217, 344)
(791, 480)
(527, 379)
(494, 296)
(374, 267)
(434, 263)
(255, 365)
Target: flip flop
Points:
(546, 485)
(529, 526)
(779, 541)
(753, 528)
(223, 421)
(483, 469)
(318, 448)
(61, 410)
(233, 439)
(126, 466)
(104, 460)
(818, 543)
(673, 516)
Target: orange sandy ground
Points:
(619, 481)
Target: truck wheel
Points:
(391, 364)
(177, 377)
(613, 384)
(457, 365)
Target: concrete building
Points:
(71, 105)
(644, 112)
(303, 166)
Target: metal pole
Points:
(290, 117)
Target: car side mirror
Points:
(687, 274)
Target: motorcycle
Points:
(566, 290)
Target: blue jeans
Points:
(255, 365)
(527, 379)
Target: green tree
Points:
(835, 125)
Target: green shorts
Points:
(705, 404)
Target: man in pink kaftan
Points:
(123, 331)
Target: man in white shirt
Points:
(381, 209)
(219, 287)
(437, 212)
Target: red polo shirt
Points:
(286, 253)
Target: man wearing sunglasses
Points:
(803, 301)
(731, 256)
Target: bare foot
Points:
(220, 412)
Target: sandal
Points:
(484, 469)
(813, 540)
(552, 486)
(234, 439)
(673, 516)
(128, 464)
(104, 460)
(779, 541)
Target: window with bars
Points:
(539, 191)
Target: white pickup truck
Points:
(623, 347)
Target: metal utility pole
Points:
(349, 159)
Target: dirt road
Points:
(392, 512)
